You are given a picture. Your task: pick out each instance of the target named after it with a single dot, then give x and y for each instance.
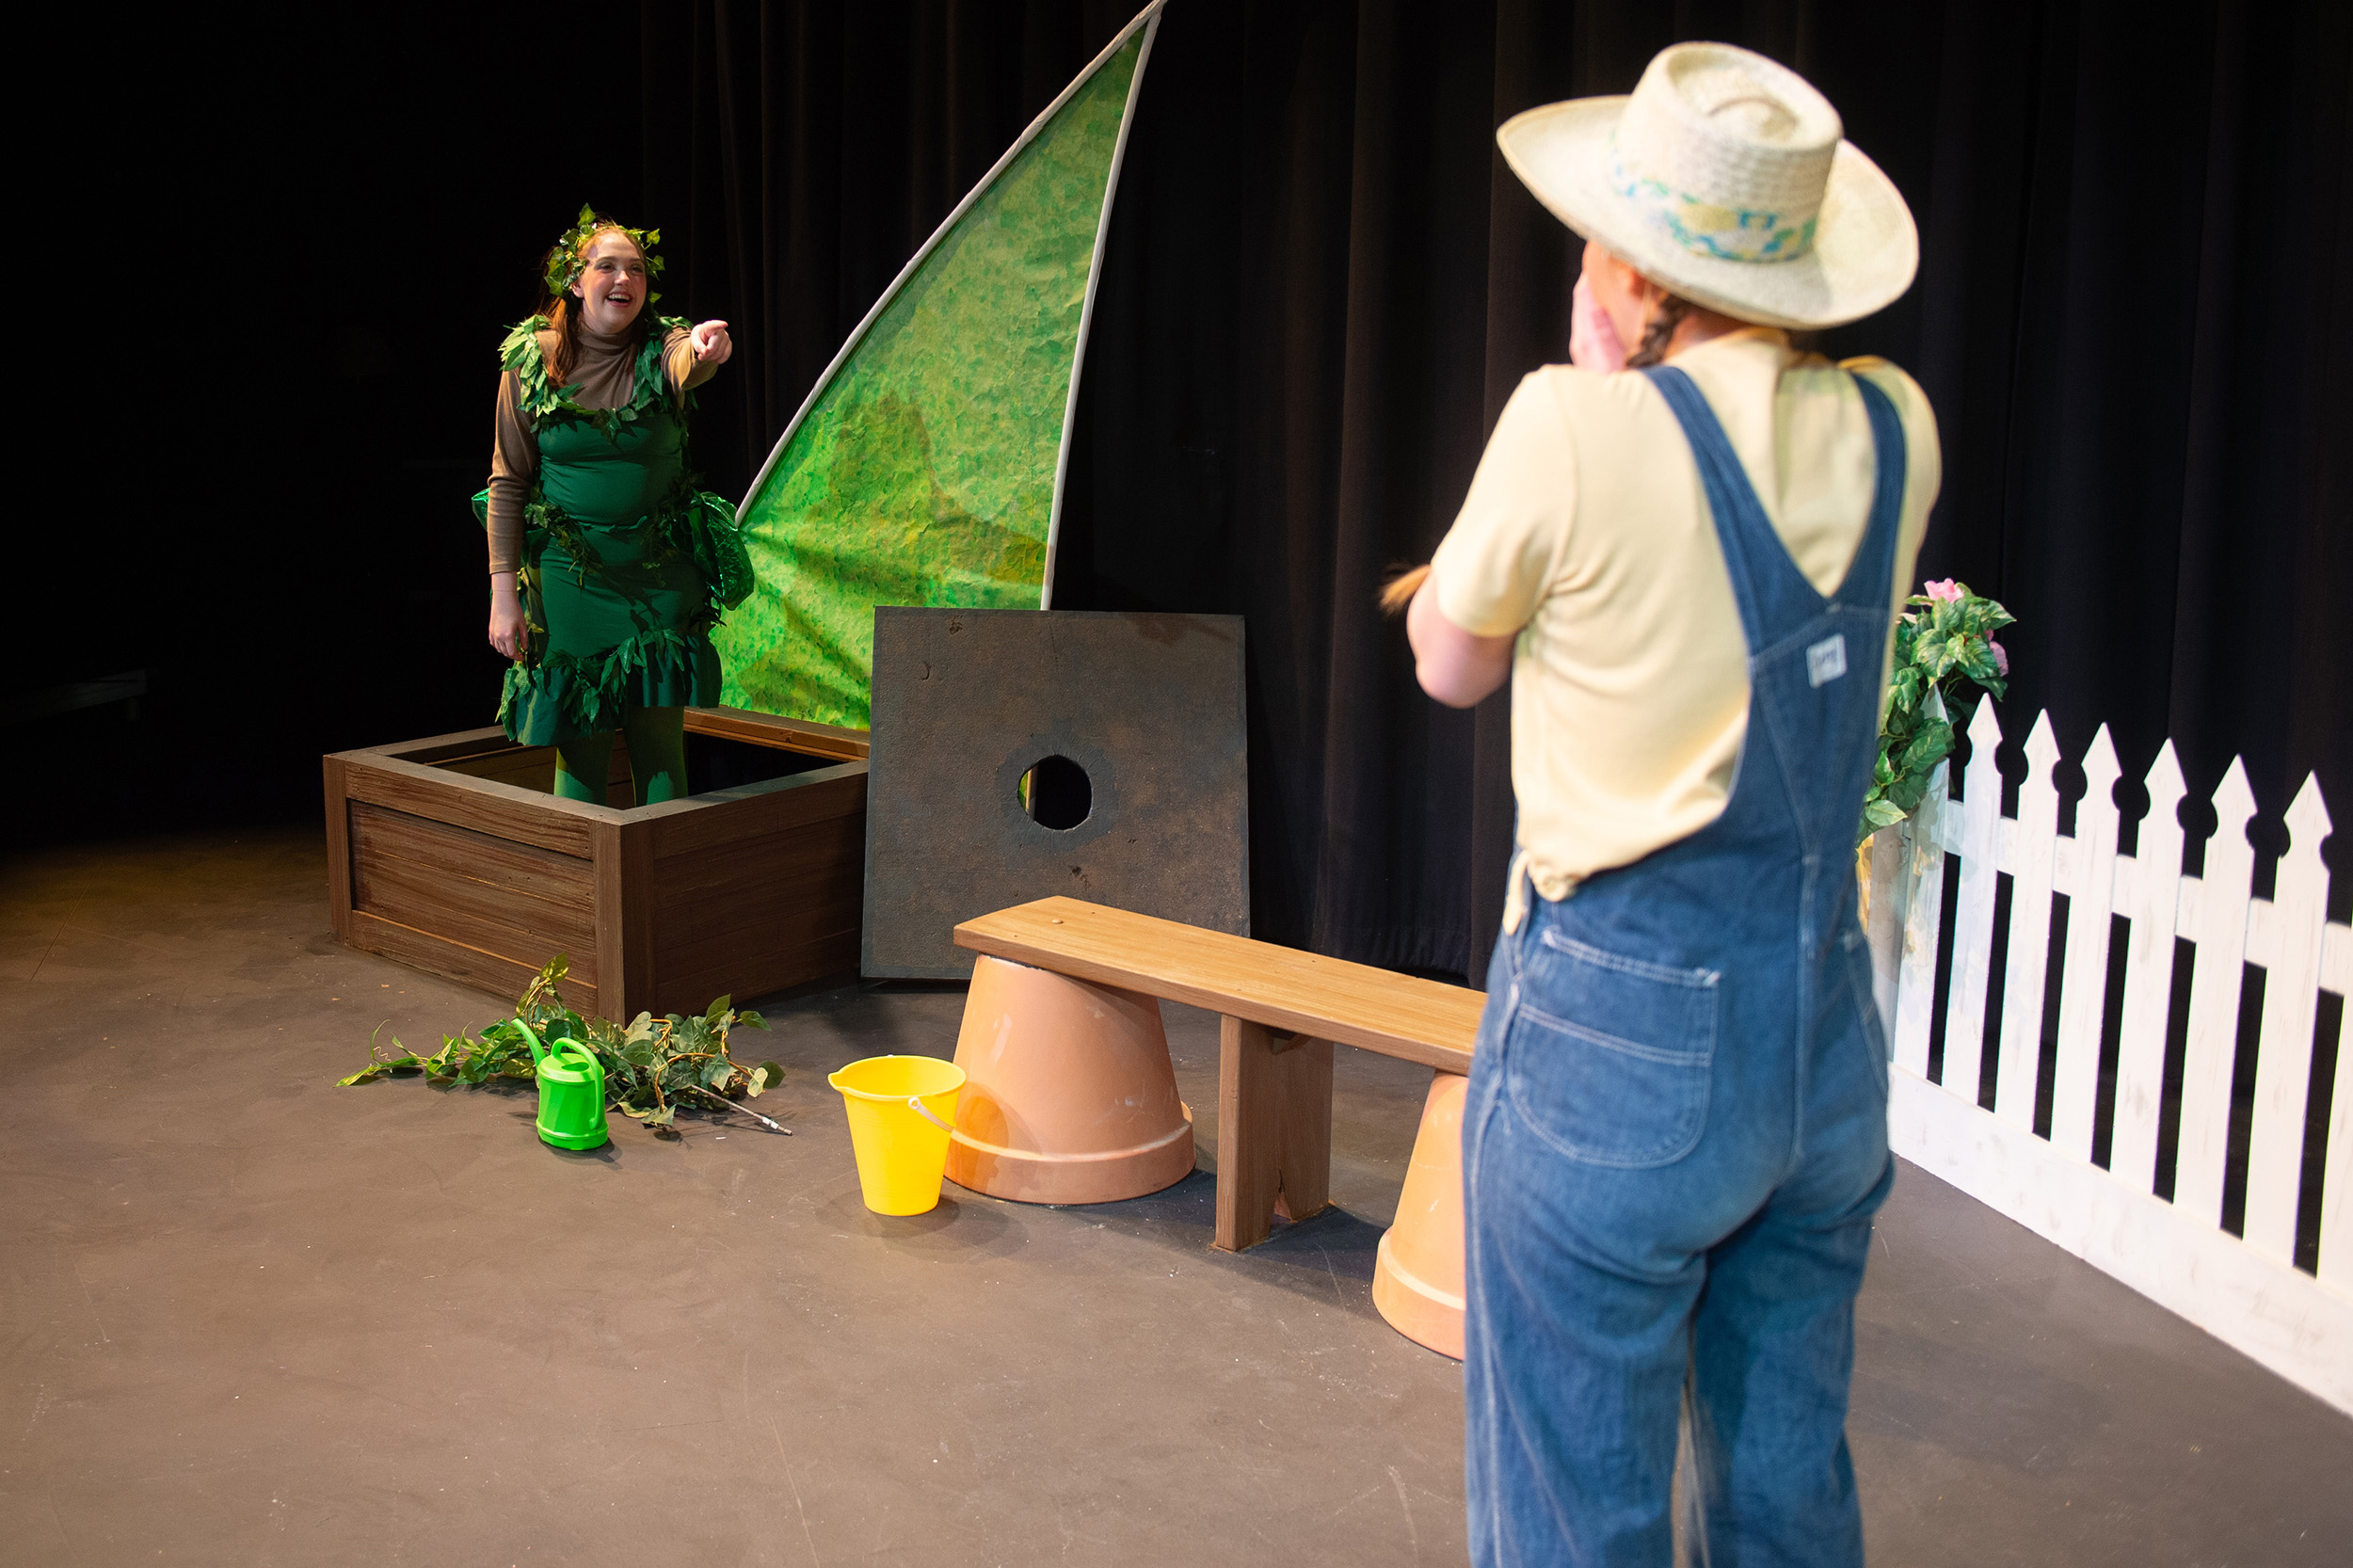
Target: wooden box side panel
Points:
(525, 767)
(767, 729)
(730, 816)
(493, 897)
(534, 768)
(451, 866)
(484, 806)
(438, 748)
(553, 888)
(332, 778)
(772, 910)
(484, 972)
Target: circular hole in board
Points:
(1056, 793)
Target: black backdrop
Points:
(1322, 284)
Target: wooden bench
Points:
(1281, 1010)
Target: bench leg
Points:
(1274, 1131)
(1304, 1075)
(1249, 1134)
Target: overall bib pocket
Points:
(1607, 1058)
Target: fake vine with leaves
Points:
(652, 1066)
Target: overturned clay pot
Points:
(1418, 1276)
(1068, 1095)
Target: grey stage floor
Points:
(249, 1317)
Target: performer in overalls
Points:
(1676, 1130)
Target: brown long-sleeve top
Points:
(604, 376)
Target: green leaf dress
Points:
(625, 566)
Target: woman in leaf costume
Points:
(608, 568)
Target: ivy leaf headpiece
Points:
(565, 263)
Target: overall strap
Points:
(1870, 576)
(1772, 593)
(1774, 596)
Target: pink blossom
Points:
(1947, 590)
(2001, 659)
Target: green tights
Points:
(656, 757)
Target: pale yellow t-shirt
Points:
(1587, 532)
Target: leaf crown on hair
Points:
(565, 263)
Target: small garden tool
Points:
(571, 1092)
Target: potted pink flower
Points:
(1944, 644)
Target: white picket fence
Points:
(2245, 1291)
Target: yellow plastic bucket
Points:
(901, 1111)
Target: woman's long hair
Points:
(563, 312)
(1658, 331)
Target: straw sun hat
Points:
(1725, 179)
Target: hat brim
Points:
(1865, 247)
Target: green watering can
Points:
(571, 1092)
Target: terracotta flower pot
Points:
(1418, 1278)
(1068, 1095)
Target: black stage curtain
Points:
(1322, 283)
(1320, 286)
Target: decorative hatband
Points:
(1707, 228)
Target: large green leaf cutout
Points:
(926, 466)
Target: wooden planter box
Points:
(451, 855)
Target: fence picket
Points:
(2024, 980)
(2283, 1063)
(2216, 980)
(1923, 872)
(1885, 925)
(1972, 914)
(2156, 894)
(2336, 1198)
(2084, 975)
(2247, 1290)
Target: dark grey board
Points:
(968, 702)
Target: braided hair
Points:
(1658, 331)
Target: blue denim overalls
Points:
(1676, 1131)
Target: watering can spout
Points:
(538, 1051)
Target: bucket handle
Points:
(915, 1103)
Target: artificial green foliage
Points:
(519, 351)
(923, 471)
(1943, 643)
(688, 525)
(563, 262)
(652, 1066)
(592, 692)
(636, 630)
